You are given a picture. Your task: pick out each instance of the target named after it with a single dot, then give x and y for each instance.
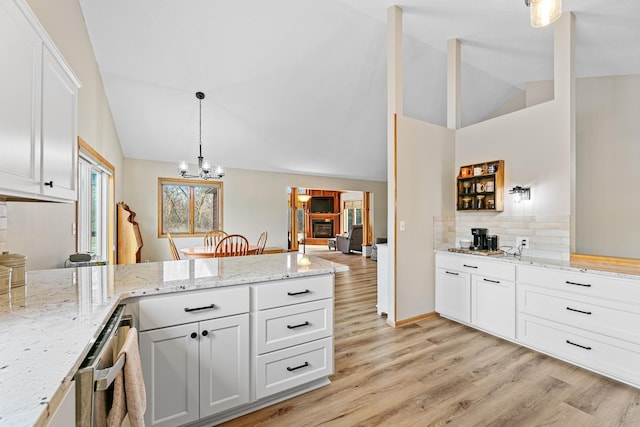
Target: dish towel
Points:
(129, 395)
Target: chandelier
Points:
(544, 12)
(204, 167)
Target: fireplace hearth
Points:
(322, 228)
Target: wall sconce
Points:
(520, 193)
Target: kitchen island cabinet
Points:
(195, 363)
(48, 325)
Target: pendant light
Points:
(544, 12)
(204, 167)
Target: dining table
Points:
(209, 251)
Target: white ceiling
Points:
(300, 85)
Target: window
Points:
(95, 181)
(188, 208)
(352, 213)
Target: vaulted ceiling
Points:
(300, 85)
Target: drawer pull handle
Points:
(578, 345)
(452, 273)
(298, 326)
(206, 307)
(469, 266)
(298, 367)
(291, 294)
(578, 311)
(577, 284)
(48, 184)
(492, 281)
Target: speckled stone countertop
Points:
(621, 272)
(47, 326)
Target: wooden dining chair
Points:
(232, 245)
(262, 242)
(213, 237)
(172, 248)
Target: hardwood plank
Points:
(438, 372)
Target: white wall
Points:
(253, 201)
(42, 231)
(535, 155)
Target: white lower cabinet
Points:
(585, 318)
(478, 292)
(588, 319)
(453, 294)
(211, 355)
(195, 370)
(293, 334)
(493, 305)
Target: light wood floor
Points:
(438, 372)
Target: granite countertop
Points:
(48, 326)
(610, 270)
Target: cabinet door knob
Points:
(194, 335)
(205, 333)
(49, 184)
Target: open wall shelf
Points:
(480, 187)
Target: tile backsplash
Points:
(548, 235)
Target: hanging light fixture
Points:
(204, 167)
(544, 12)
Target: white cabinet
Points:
(478, 292)
(587, 319)
(453, 294)
(38, 112)
(197, 369)
(59, 130)
(293, 333)
(383, 278)
(493, 305)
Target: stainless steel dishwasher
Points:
(98, 370)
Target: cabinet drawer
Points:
(599, 315)
(186, 307)
(618, 359)
(294, 366)
(293, 291)
(295, 324)
(582, 283)
(474, 264)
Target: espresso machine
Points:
(479, 239)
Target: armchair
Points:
(352, 242)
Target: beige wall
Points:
(43, 231)
(425, 156)
(608, 169)
(253, 201)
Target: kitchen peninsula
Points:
(48, 326)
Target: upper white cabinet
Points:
(38, 111)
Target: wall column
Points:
(366, 224)
(293, 219)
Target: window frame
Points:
(98, 162)
(190, 183)
(354, 206)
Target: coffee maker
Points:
(479, 239)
